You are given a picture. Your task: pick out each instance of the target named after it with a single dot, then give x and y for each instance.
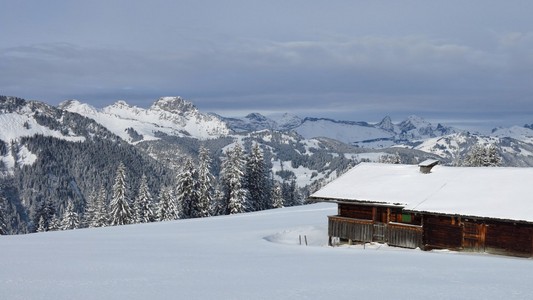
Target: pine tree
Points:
(42, 225)
(494, 159)
(277, 197)
(90, 209)
(143, 204)
(167, 209)
(257, 180)
(70, 218)
(390, 159)
(480, 156)
(54, 224)
(187, 191)
(290, 193)
(3, 227)
(119, 206)
(101, 215)
(232, 177)
(46, 211)
(205, 181)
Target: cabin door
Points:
(473, 237)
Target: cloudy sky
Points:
(457, 62)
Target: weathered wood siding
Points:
(441, 233)
(474, 233)
(365, 223)
(357, 230)
(404, 236)
(350, 229)
(509, 239)
(356, 211)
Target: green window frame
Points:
(407, 218)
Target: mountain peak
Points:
(386, 124)
(77, 106)
(414, 119)
(121, 103)
(173, 105)
(413, 122)
(256, 117)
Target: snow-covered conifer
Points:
(54, 224)
(390, 159)
(3, 227)
(143, 204)
(494, 158)
(235, 195)
(291, 193)
(42, 225)
(101, 215)
(277, 196)
(205, 184)
(480, 156)
(90, 209)
(70, 218)
(256, 179)
(167, 209)
(187, 191)
(45, 211)
(119, 206)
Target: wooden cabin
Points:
(434, 207)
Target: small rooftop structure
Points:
(427, 165)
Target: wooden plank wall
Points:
(404, 236)
(356, 211)
(398, 235)
(441, 233)
(509, 239)
(358, 223)
(350, 229)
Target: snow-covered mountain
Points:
(515, 145)
(258, 122)
(168, 115)
(448, 143)
(51, 154)
(20, 119)
(363, 134)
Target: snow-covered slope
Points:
(245, 256)
(514, 144)
(168, 115)
(19, 119)
(524, 134)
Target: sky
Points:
(466, 63)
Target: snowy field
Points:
(247, 256)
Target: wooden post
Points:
(305, 237)
(300, 238)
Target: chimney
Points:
(427, 165)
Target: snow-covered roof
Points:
(503, 193)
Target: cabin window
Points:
(406, 218)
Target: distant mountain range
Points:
(52, 153)
(363, 134)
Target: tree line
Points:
(244, 184)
